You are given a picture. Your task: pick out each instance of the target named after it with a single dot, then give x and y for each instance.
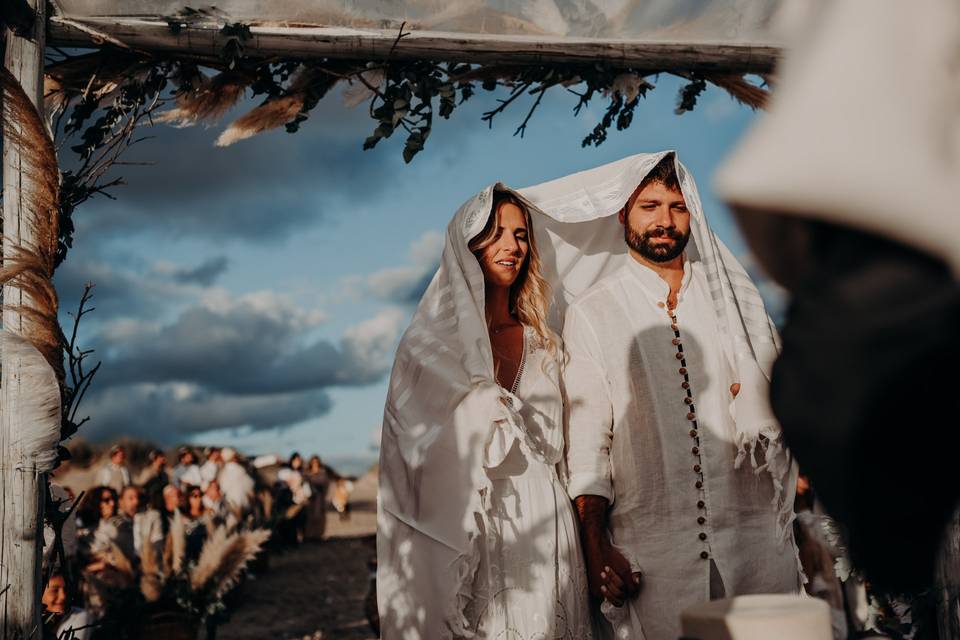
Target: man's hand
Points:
(608, 572)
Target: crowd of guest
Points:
(127, 521)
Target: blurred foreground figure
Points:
(848, 193)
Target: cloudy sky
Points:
(255, 294)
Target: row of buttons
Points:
(692, 417)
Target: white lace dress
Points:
(530, 583)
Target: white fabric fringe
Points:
(39, 406)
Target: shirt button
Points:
(701, 520)
(684, 385)
(695, 451)
(691, 416)
(704, 555)
(703, 536)
(701, 504)
(696, 468)
(679, 356)
(693, 433)
(661, 305)
(688, 400)
(674, 326)
(683, 371)
(698, 485)
(676, 342)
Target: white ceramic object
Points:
(758, 617)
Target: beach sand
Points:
(318, 589)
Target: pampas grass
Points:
(223, 559)
(177, 543)
(310, 84)
(209, 101)
(151, 575)
(742, 91)
(270, 115)
(118, 572)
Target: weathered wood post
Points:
(21, 506)
(947, 588)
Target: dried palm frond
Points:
(30, 250)
(209, 100)
(310, 85)
(742, 91)
(26, 133)
(27, 270)
(223, 559)
(39, 398)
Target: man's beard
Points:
(640, 242)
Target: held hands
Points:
(609, 574)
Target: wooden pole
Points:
(21, 497)
(205, 40)
(947, 588)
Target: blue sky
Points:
(254, 294)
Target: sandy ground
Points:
(317, 590)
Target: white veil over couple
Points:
(477, 536)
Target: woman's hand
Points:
(609, 574)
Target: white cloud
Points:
(403, 284)
(371, 344)
(720, 107)
(425, 250)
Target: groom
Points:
(667, 519)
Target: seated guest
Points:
(62, 619)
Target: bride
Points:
(476, 535)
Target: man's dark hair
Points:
(665, 172)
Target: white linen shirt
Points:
(650, 429)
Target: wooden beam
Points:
(206, 40)
(21, 495)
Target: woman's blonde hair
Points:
(530, 293)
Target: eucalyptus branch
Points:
(504, 103)
(523, 125)
(80, 380)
